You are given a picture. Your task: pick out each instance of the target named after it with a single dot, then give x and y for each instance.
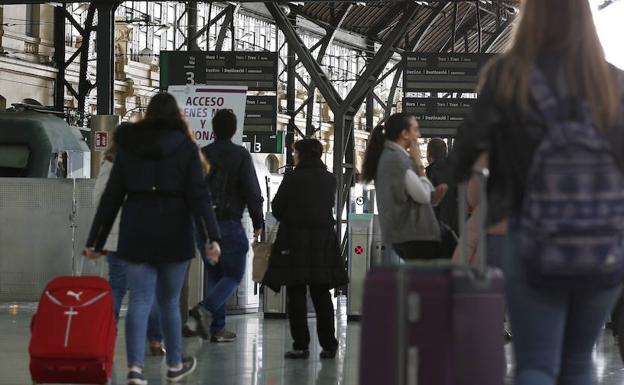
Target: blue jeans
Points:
(223, 279)
(165, 281)
(554, 330)
(117, 279)
(495, 246)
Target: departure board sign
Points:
(438, 116)
(442, 72)
(261, 114)
(271, 143)
(255, 70)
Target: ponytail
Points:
(395, 124)
(373, 153)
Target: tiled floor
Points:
(255, 359)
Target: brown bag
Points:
(262, 254)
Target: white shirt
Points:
(419, 188)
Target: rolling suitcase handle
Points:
(483, 175)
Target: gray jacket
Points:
(402, 219)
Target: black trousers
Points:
(418, 250)
(298, 316)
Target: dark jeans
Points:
(298, 316)
(117, 272)
(223, 278)
(554, 330)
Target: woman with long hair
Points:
(116, 266)
(553, 79)
(405, 196)
(159, 179)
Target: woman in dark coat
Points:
(159, 179)
(306, 251)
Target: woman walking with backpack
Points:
(159, 179)
(550, 116)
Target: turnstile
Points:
(274, 304)
(360, 253)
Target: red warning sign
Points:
(359, 250)
(101, 141)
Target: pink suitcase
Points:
(433, 323)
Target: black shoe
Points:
(328, 354)
(188, 333)
(297, 354)
(223, 336)
(136, 378)
(202, 321)
(188, 366)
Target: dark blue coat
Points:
(158, 179)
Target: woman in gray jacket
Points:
(117, 266)
(404, 194)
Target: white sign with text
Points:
(199, 103)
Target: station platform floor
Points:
(256, 358)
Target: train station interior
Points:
(332, 70)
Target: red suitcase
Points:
(73, 332)
(433, 323)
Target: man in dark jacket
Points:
(439, 172)
(234, 185)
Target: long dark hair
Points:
(163, 106)
(395, 124)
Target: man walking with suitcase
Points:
(234, 186)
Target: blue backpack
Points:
(572, 224)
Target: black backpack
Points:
(219, 181)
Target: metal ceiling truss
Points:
(394, 27)
(344, 110)
(105, 58)
(338, 20)
(473, 21)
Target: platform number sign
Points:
(101, 141)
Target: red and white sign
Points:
(199, 103)
(359, 250)
(100, 141)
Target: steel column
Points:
(59, 58)
(227, 22)
(84, 85)
(191, 28)
(370, 55)
(291, 78)
(105, 58)
(232, 30)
